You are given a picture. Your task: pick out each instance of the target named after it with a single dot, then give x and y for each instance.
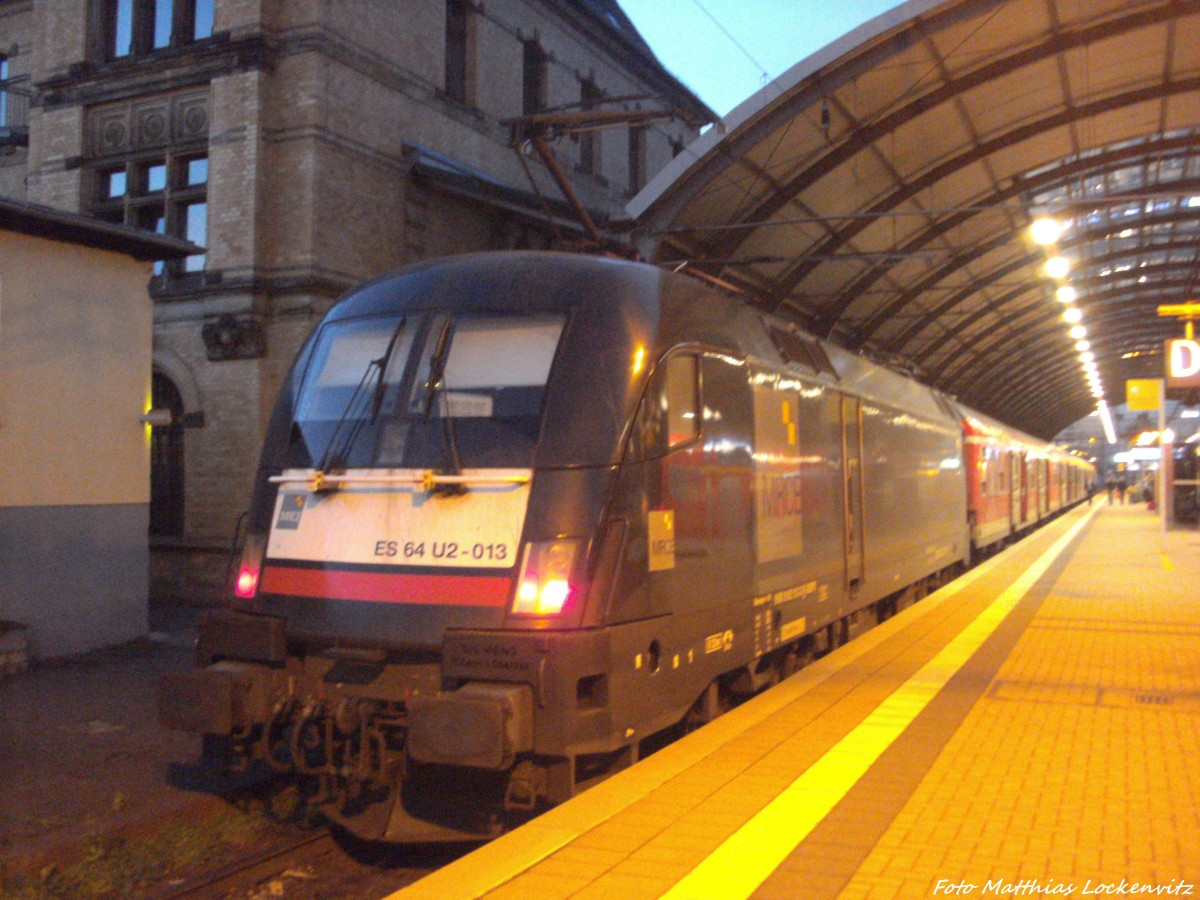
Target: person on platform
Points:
(1111, 485)
(1122, 487)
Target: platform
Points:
(1032, 729)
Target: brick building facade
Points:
(308, 145)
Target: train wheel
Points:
(711, 704)
(798, 657)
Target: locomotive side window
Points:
(683, 420)
(670, 413)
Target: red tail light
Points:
(245, 583)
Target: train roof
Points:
(631, 300)
(977, 424)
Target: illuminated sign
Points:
(1183, 363)
(1143, 393)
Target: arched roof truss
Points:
(880, 194)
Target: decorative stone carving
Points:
(147, 124)
(110, 131)
(150, 125)
(234, 337)
(191, 117)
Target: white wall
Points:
(75, 349)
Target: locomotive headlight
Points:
(545, 583)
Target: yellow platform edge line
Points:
(749, 856)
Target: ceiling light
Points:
(1072, 315)
(1045, 231)
(1057, 267)
(1110, 433)
(1087, 356)
(1078, 332)
(1082, 345)
(1066, 294)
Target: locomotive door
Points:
(852, 490)
(1024, 489)
(1014, 492)
(166, 460)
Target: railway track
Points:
(315, 865)
(252, 870)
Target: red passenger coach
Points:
(1015, 481)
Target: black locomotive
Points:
(518, 516)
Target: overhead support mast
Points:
(538, 130)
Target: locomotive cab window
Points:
(430, 391)
(485, 367)
(344, 357)
(670, 414)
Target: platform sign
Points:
(1183, 363)
(1143, 393)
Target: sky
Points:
(726, 50)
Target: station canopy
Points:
(881, 192)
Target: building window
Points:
(165, 194)
(637, 158)
(203, 15)
(14, 107)
(590, 96)
(3, 91)
(535, 78)
(459, 51)
(133, 27)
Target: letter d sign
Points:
(1183, 363)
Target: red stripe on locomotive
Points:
(379, 587)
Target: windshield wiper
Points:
(337, 455)
(437, 373)
(437, 366)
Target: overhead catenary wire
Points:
(1071, 207)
